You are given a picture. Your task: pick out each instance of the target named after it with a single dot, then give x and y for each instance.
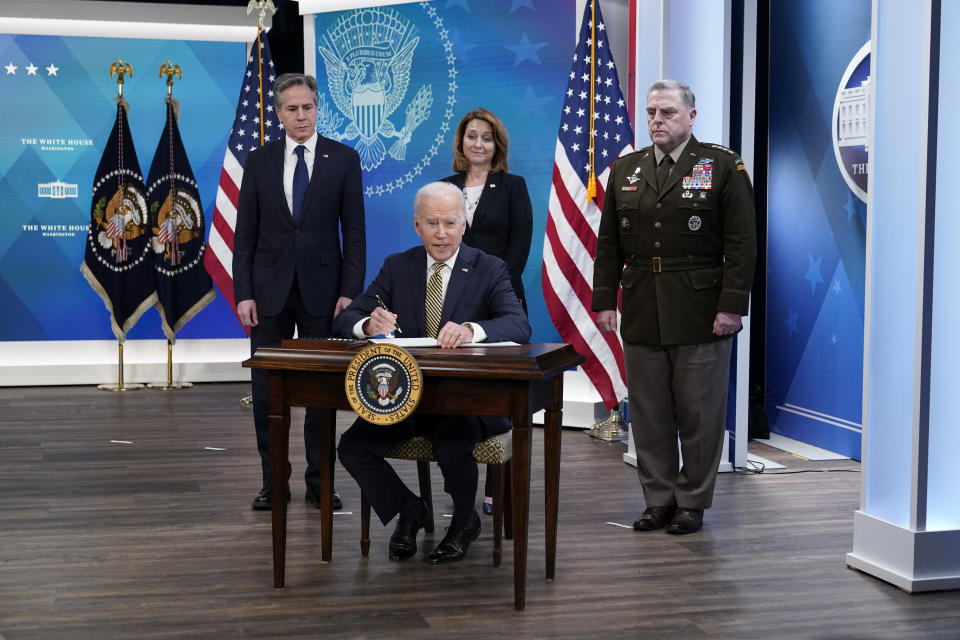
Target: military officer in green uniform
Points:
(677, 234)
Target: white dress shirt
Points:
(290, 163)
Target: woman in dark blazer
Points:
(499, 215)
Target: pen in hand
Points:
(384, 307)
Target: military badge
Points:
(625, 223)
(701, 177)
(686, 194)
(626, 188)
(383, 384)
(694, 223)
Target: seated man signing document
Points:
(457, 294)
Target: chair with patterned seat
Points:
(495, 452)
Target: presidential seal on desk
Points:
(383, 384)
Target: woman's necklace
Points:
(472, 201)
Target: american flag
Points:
(163, 233)
(255, 114)
(570, 242)
(113, 227)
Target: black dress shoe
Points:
(686, 521)
(403, 542)
(262, 501)
(312, 497)
(453, 547)
(654, 518)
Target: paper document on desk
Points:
(432, 342)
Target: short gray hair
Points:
(669, 84)
(439, 190)
(288, 80)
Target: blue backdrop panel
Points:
(509, 56)
(816, 227)
(56, 98)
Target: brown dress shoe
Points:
(686, 521)
(654, 518)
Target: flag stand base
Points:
(611, 429)
(120, 386)
(169, 385)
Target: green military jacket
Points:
(681, 255)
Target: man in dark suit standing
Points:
(456, 294)
(300, 195)
(677, 233)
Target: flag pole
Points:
(169, 70)
(120, 386)
(261, 6)
(170, 385)
(120, 68)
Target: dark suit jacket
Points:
(503, 222)
(269, 248)
(479, 291)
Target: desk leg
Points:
(552, 430)
(326, 422)
(521, 501)
(279, 483)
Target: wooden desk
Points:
(498, 381)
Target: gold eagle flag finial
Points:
(262, 6)
(120, 68)
(170, 70)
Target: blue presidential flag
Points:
(118, 261)
(183, 285)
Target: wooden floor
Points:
(153, 537)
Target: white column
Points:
(907, 530)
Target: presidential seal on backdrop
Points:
(851, 122)
(119, 220)
(390, 89)
(178, 222)
(383, 384)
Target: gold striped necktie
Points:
(433, 306)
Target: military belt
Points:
(658, 264)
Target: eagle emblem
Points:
(121, 218)
(179, 221)
(384, 387)
(368, 54)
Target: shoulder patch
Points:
(720, 147)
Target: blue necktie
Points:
(300, 181)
